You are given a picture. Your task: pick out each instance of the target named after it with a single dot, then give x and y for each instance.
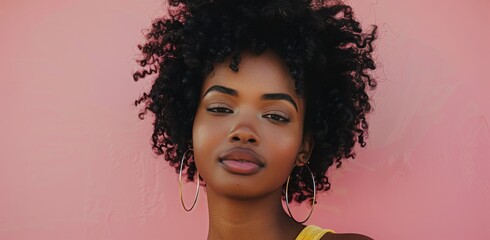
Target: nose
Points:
(244, 130)
(243, 135)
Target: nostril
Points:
(243, 137)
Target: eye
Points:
(219, 108)
(277, 117)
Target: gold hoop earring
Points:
(314, 197)
(180, 186)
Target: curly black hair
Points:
(327, 54)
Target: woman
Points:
(257, 99)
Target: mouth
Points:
(241, 161)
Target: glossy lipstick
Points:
(241, 161)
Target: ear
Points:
(306, 149)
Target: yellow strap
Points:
(312, 232)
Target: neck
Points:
(260, 218)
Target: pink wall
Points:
(76, 163)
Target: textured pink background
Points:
(76, 162)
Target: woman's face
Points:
(248, 128)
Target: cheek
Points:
(282, 147)
(283, 143)
(206, 136)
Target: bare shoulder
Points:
(345, 236)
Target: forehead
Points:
(258, 74)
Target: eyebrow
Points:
(267, 96)
(221, 89)
(279, 96)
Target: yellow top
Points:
(312, 232)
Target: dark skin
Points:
(234, 111)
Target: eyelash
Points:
(276, 116)
(219, 107)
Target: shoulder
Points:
(345, 236)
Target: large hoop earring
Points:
(314, 197)
(180, 186)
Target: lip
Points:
(241, 161)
